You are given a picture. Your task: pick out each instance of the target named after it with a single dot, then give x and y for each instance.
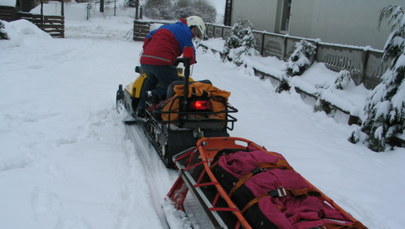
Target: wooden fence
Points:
(8, 13)
(364, 63)
(54, 25)
(141, 29)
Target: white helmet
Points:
(197, 22)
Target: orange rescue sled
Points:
(196, 175)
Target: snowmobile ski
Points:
(133, 120)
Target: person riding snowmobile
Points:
(161, 48)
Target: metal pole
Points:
(88, 10)
(115, 7)
(136, 9)
(42, 15)
(102, 6)
(62, 9)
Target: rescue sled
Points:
(191, 110)
(242, 185)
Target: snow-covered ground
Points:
(67, 162)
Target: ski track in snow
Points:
(63, 194)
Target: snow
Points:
(314, 81)
(67, 162)
(220, 7)
(7, 3)
(20, 32)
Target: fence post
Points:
(102, 6)
(88, 10)
(136, 9)
(366, 54)
(62, 9)
(42, 14)
(317, 48)
(285, 48)
(262, 46)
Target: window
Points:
(285, 18)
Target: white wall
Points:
(262, 13)
(352, 22)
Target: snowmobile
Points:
(191, 110)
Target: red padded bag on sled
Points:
(271, 194)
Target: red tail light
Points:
(200, 105)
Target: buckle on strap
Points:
(280, 192)
(257, 170)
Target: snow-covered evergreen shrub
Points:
(355, 136)
(301, 59)
(344, 80)
(240, 42)
(322, 105)
(385, 106)
(284, 85)
(3, 34)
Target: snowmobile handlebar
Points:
(186, 61)
(188, 55)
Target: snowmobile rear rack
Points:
(185, 122)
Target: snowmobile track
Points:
(158, 177)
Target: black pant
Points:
(159, 78)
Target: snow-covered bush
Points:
(205, 10)
(384, 110)
(284, 85)
(158, 9)
(3, 34)
(240, 42)
(356, 135)
(344, 80)
(301, 59)
(167, 9)
(322, 105)
(129, 3)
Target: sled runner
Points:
(242, 185)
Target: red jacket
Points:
(163, 45)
